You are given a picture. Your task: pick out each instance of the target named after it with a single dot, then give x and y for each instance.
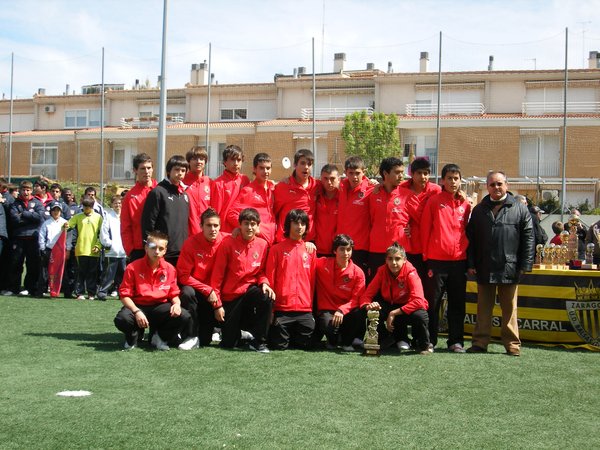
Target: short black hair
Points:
(90, 189)
(342, 240)
(249, 214)
(198, 152)
(177, 161)
(208, 214)
(55, 186)
(450, 168)
(396, 249)
(141, 158)
(41, 183)
(354, 162)
(304, 153)
(388, 164)
(420, 164)
(232, 151)
(87, 202)
(295, 215)
(156, 234)
(261, 158)
(329, 168)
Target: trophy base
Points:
(539, 266)
(372, 350)
(589, 266)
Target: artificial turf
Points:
(213, 398)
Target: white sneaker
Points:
(46, 294)
(81, 297)
(347, 348)
(159, 343)
(246, 335)
(114, 294)
(216, 336)
(456, 348)
(403, 345)
(91, 297)
(189, 344)
(24, 293)
(260, 348)
(7, 293)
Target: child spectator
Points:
(397, 293)
(291, 272)
(557, 228)
(110, 238)
(87, 249)
(53, 234)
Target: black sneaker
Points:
(476, 349)
(260, 348)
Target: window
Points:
(44, 158)
(539, 153)
(234, 114)
(118, 163)
(82, 118)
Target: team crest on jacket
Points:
(400, 284)
(461, 209)
(255, 255)
(396, 201)
(361, 194)
(346, 279)
(305, 257)
(430, 273)
(163, 278)
(206, 189)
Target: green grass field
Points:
(212, 398)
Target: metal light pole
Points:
(162, 120)
(564, 161)
(102, 135)
(10, 117)
(437, 121)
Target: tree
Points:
(373, 138)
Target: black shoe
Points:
(476, 349)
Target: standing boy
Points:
(150, 298)
(291, 272)
(110, 238)
(327, 209)
(198, 187)
(50, 236)
(242, 289)
(444, 239)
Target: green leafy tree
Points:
(372, 137)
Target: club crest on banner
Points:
(584, 313)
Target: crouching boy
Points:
(397, 293)
(150, 298)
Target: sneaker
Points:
(81, 297)
(456, 348)
(357, 342)
(127, 346)
(91, 297)
(24, 293)
(114, 294)
(46, 294)
(476, 349)
(216, 336)
(246, 335)
(403, 345)
(7, 293)
(189, 344)
(260, 348)
(427, 351)
(347, 348)
(159, 343)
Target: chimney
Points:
(212, 79)
(594, 60)
(137, 84)
(370, 66)
(338, 62)
(67, 87)
(41, 91)
(390, 69)
(301, 70)
(199, 74)
(491, 64)
(423, 62)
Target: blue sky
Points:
(58, 42)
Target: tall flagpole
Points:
(564, 158)
(102, 135)
(10, 117)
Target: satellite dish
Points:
(286, 163)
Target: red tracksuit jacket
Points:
(238, 265)
(326, 216)
(260, 198)
(291, 274)
(354, 218)
(443, 228)
(198, 191)
(389, 217)
(131, 216)
(414, 207)
(404, 289)
(226, 188)
(146, 287)
(196, 262)
(290, 196)
(338, 289)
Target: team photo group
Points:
(270, 266)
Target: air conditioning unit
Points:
(49, 108)
(549, 194)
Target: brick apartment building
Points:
(507, 120)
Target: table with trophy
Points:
(559, 300)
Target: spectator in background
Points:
(557, 228)
(110, 238)
(49, 237)
(90, 192)
(40, 191)
(540, 236)
(70, 272)
(56, 193)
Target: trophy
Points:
(589, 258)
(539, 251)
(573, 244)
(565, 253)
(372, 336)
(552, 252)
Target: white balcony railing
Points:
(446, 109)
(147, 122)
(547, 168)
(540, 108)
(330, 113)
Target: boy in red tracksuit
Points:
(242, 289)
(387, 209)
(340, 285)
(444, 239)
(354, 217)
(133, 206)
(227, 187)
(198, 187)
(258, 195)
(299, 191)
(291, 270)
(397, 293)
(327, 209)
(194, 269)
(150, 297)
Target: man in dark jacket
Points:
(501, 241)
(167, 208)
